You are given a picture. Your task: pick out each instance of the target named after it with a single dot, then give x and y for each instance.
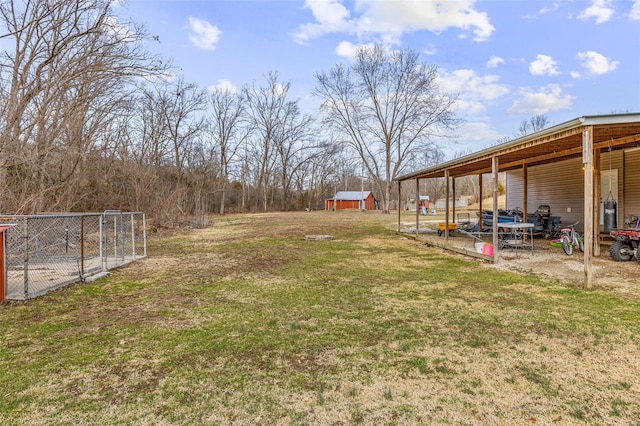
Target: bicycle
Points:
(570, 239)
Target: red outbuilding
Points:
(358, 200)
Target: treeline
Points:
(90, 120)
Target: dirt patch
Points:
(552, 262)
(620, 277)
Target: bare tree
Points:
(164, 132)
(527, 126)
(267, 106)
(149, 128)
(292, 141)
(183, 105)
(228, 119)
(387, 105)
(67, 58)
(532, 125)
(318, 173)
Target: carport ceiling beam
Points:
(534, 143)
(531, 160)
(559, 154)
(617, 142)
(520, 162)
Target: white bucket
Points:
(479, 245)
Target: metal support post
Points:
(26, 259)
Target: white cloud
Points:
(469, 106)
(477, 131)
(280, 90)
(547, 9)
(389, 19)
(117, 30)
(348, 50)
(472, 137)
(430, 50)
(543, 65)
(634, 13)
(224, 86)
(600, 10)
(330, 13)
(331, 17)
(553, 7)
(494, 61)
(203, 34)
(596, 63)
(473, 90)
(548, 98)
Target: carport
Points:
(584, 138)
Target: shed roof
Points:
(352, 195)
(556, 143)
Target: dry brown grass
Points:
(245, 322)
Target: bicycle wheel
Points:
(566, 245)
(581, 244)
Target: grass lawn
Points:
(246, 322)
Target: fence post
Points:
(26, 259)
(82, 248)
(144, 234)
(133, 238)
(122, 238)
(103, 242)
(115, 239)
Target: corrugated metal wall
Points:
(631, 183)
(561, 186)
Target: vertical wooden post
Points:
(417, 206)
(446, 205)
(453, 199)
(596, 201)
(525, 191)
(399, 195)
(587, 161)
(481, 194)
(494, 171)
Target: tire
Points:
(566, 245)
(621, 251)
(581, 244)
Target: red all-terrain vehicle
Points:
(625, 244)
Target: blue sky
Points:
(507, 59)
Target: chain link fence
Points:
(46, 252)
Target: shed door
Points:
(609, 184)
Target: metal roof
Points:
(556, 143)
(352, 195)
